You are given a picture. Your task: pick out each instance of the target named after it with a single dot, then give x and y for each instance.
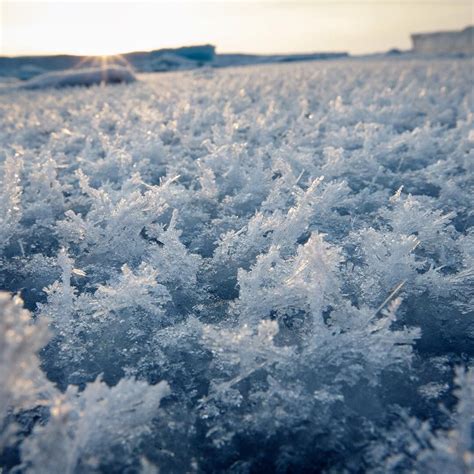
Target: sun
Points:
(103, 62)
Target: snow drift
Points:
(81, 77)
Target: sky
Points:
(258, 26)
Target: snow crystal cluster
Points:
(265, 269)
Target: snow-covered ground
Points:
(263, 269)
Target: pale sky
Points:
(259, 26)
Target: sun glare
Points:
(98, 29)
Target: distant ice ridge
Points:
(185, 58)
(81, 77)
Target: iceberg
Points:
(445, 42)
